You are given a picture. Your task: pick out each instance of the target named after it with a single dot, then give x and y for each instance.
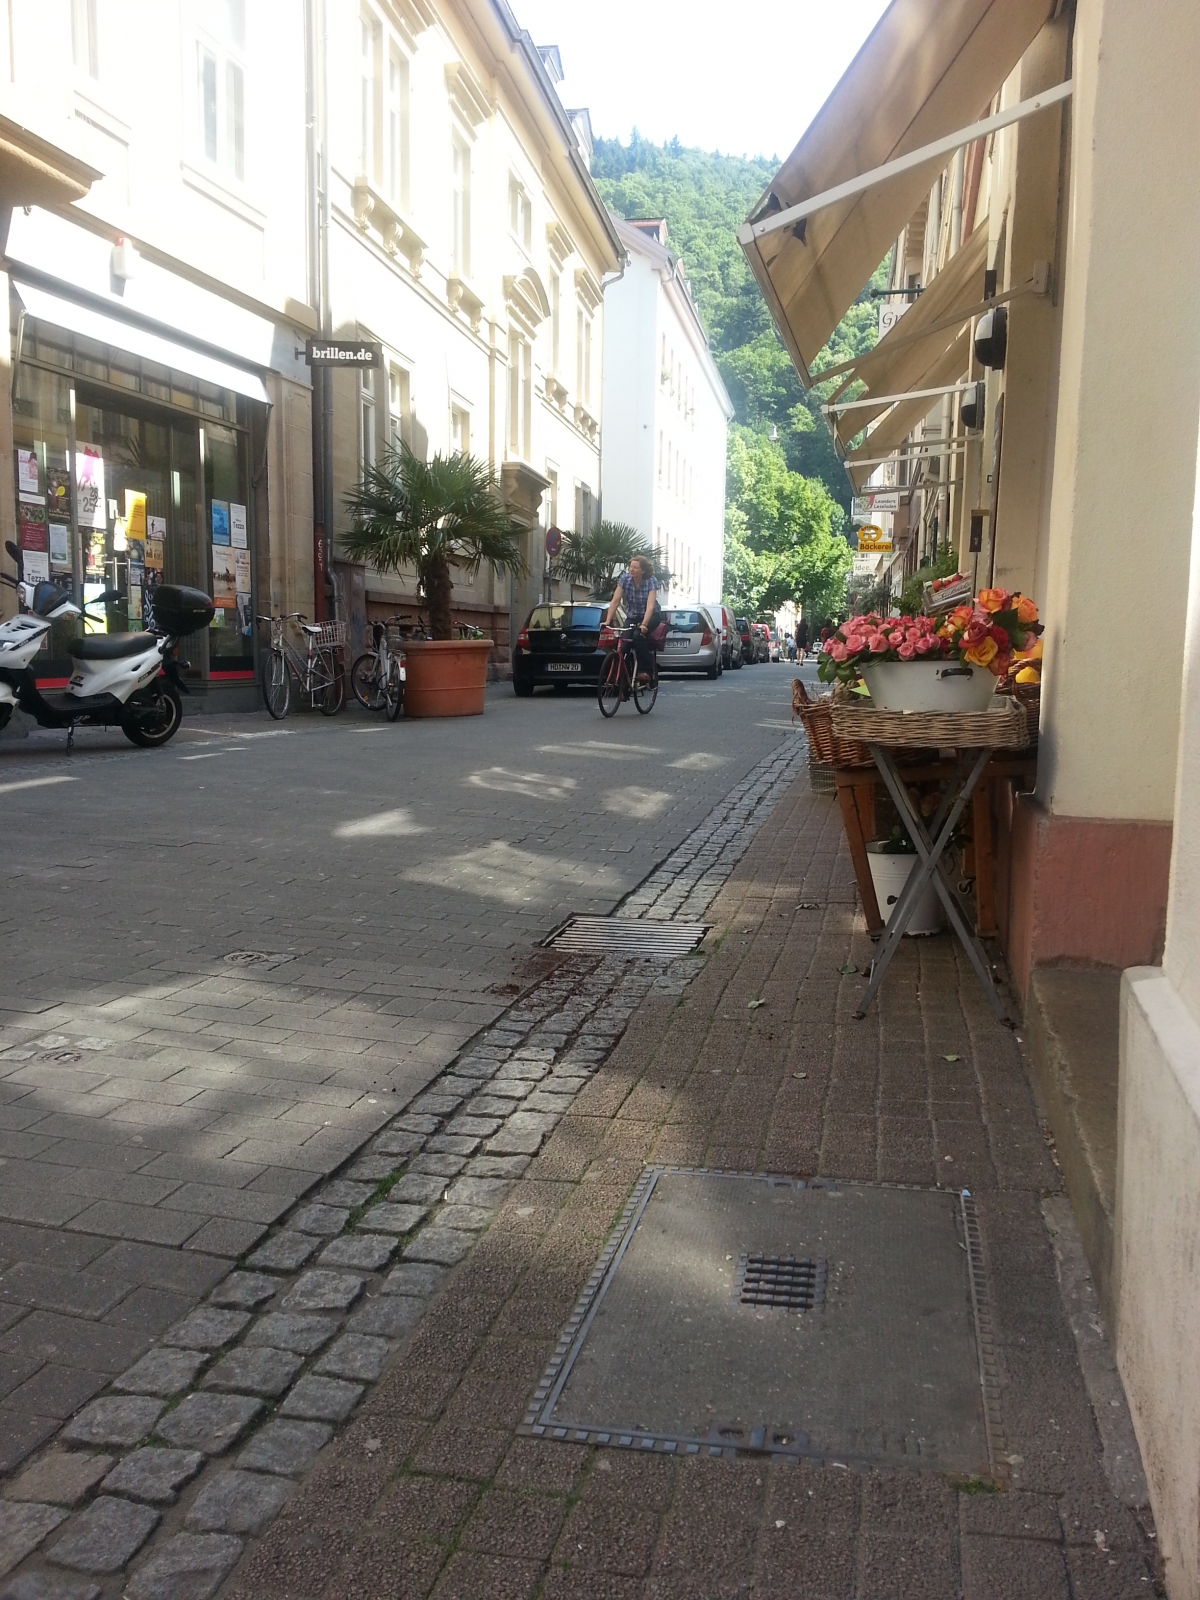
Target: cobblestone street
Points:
(340, 1416)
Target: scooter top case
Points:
(179, 610)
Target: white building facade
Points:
(466, 237)
(666, 414)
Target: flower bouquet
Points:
(924, 663)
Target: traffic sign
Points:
(553, 541)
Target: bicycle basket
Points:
(330, 635)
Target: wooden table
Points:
(856, 788)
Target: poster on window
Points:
(29, 485)
(156, 532)
(31, 528)
(151, 582)
(58, 493)
(224, 578)
(135, 602)
(60, 546)
(135, 514)
(237, 526)
(89, 488)
(35, 565)
(245, 615)
(220, 522)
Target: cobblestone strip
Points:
(235, 1402)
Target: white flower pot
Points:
(889, 874)
(929, 686)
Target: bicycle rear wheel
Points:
(645, 694)
(608, 694)
(333, 695)
(276, 683)
(394, 691)
(366, 682)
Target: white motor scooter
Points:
(132, 680)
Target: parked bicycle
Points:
(377, 677)
(619, 676)
(320, 672)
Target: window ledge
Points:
(399, 236)
(462, 297)
(556, 391)
(586, 422)
(214, 188)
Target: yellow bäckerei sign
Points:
(872, 540)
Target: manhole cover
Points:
(627, 936)
(735, 1312)
(256, 958)
(781, 1282)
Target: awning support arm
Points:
(891, 399)
(749, 232)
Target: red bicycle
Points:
(620, 678)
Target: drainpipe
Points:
(312, 177)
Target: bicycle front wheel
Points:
(609, 693)
(394, 691)
(276, 683)
(333, 695)
(645, 694)
(366, 682)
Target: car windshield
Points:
(559, 618)
(742, 625)
(685, 621)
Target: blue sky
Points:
(746, 79)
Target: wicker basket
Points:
(824, 747)
(1004, 727)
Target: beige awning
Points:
(928, 68)
(900, 421)
(34, 172)
(927, 347)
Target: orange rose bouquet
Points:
(998, 631)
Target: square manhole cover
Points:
(739, 1312)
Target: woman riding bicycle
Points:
(639, 587)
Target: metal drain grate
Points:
(627, 936)
(781, 1281)
(256, 958)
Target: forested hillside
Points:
(705, 197)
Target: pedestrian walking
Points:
(802, 638)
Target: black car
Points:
(747, 638)
(559, 645)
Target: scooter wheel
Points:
(155, 717)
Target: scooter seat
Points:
(110, 646)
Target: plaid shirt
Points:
(637, 596)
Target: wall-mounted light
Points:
(991, 338)
(124, 261)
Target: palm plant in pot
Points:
(438, 517)
(598, 557)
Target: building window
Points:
(221, 86)
(660, 456)
(583, 356)
(368, 96)
(366, 388)
(84, 46)
(555, 322)
(585, 508)
(461, 204)
(520, 395)
(520, 213)
(460, 430)
(550, 503)
(399, 407)
(396, 131)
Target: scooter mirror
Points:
(109, 598)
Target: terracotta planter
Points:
(446, 677)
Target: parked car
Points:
(693, 642)
(559, 645)
(762, 641)
(731, 639)
(747, 639)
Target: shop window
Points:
(85, 51)
(460, 252)
(230, 642)
(221, 86)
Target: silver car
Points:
(693, 642)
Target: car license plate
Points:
(564, 666)
(679, 644)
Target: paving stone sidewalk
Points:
(518, 1162)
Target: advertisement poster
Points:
(28, 482)
(31, 528)
(220, 522)
(35, 564)
(237, 526)
(135, 555)
(156, 532)
(89, 488)
(135, 601)
(58, 487)
(95, 555)
(245, 615)
(224, 578)
(135, 514)
(152, 580)
(60, 545)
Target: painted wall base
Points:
(1156, 1264)
(1084, 889)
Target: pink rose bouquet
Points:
(998, 630)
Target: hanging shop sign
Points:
(873, 541)
(865, 506)
(343, 353)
